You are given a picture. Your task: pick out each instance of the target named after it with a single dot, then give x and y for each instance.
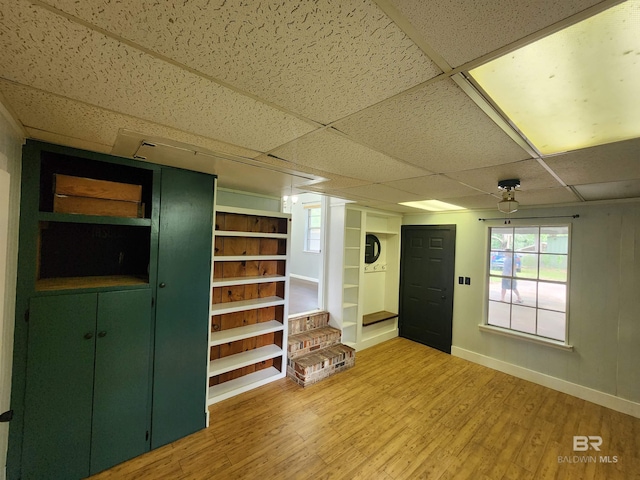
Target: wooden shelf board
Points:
(348, 324)
(352, 248)
(235, 233)
(239, 306)
(228, 389)
(67, 283)
(248, 331)
(383, 232)
(349, 305)
(350, 285)
(351, 266)
(246, 258)
(377, 317)
(231, 281)
(243, 359)
(94, 219)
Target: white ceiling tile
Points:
(436, 127)
(545, 196)
(323, 59)
(463, 30)
(532, 175)
(52, 53)
(68, 141)
(382, 193)
(610, 190)
(334, 153)
(433, 186)
(605, 163)
(63, 117)
(475, 202)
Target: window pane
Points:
(527, 265)
(553, 267)
(501, 238)
(527, 291)
(314, 222)
(499, 314)
(526, 239)
(314, 245)
(555, 239)
(551, 324)
(495, 286)
(552, 296)
(314, 234)
(523, 319)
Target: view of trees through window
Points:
(528, 274)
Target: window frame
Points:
(309, 209)
(508, 331)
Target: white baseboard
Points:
(585, 393)
(375, 340)
(306, 279)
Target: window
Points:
(528, 273)
(312, 230)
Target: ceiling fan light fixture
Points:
(508, 204)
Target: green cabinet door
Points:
(59, 387)
(182, 310)
(121, 419)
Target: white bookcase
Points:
(363, 299)
(249, 300)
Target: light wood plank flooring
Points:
(405, 411)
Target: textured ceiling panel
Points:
(65, 140)
(323, 59)
(463, 30)
(436, 127)
(331, 152)
(382, 193)
(51, 53)
(433, 186)
(532, 175)
(475, 201)
(545, 196)
(606, 163)
(610, 190)
(86, 123)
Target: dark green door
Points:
(426, 284)
(59, 387)
(121, 419)
(182, 310)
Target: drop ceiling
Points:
(366, 100)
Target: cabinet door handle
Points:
(162, 285)
(102, 334)
(88, 335)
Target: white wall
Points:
(604, 304)
(303, 264)
(10, 155)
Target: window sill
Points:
(525, 336)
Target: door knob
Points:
(162, 285)
(102, 334)
(88, 335)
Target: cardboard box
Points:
(97, 206)
(92, 188)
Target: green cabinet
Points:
(111, 328)
(86, 401)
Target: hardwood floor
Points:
(405, 411)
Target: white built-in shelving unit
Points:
(363, 299)
(249, 300)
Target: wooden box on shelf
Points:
(90, 196)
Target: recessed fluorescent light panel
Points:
(433, 205)
(575, 88)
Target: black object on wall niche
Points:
(371, 248)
